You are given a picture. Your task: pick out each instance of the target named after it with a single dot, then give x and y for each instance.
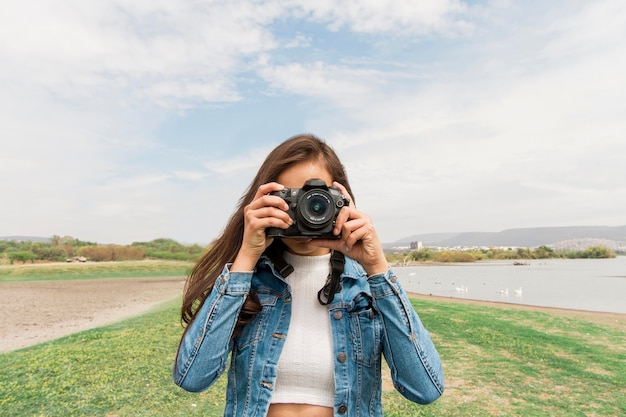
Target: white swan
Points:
(518, 291)
(505, 291)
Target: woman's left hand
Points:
(358, 238)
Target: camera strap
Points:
(326, 295)
(275, 253)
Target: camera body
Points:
(313, 208)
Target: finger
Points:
(343, 190)
(268, 216)
(342, 218)
(270, 212)
(353, 231)
(261, 224)
(268, 201)
(268, 188)
(346, 215)
(263, 197)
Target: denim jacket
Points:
(368, 316)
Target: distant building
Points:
(416, 245)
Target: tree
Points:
(544, 252)
(22, 256)
(421, 255)
(598, 252)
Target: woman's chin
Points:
(302, 246)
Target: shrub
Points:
(102, 253)
(452, 256)
(51, 253)
(598, 252)
(22, 256)
(421, 255)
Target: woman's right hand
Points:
(264, 211)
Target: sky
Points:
(127, 121)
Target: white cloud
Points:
(340, 84)
(176, 52)
(461, 144)
(227, 165)
(483, 131)
(190, 175)
(83, 88)
(383, 16)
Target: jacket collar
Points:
(352, 269)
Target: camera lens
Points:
(317, 206)
(316, 209)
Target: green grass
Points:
(93, 270)
(118, 370)
(498, 362)
(501, 362)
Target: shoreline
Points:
(617, 320)
(37, 312)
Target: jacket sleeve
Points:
(415, 366)
(203, 351)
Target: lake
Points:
(579, 284)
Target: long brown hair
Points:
(224, 249)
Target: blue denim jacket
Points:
(368, 317)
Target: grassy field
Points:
(498, 362)
(93, 270)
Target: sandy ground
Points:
(35, 312)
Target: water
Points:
(579, 284)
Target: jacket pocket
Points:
(364, 330)
(255, 330)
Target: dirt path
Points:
(34, 312)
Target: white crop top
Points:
(305, 367)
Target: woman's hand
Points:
(264, 211)
(358, 238)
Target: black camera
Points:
(313, 208)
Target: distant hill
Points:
(559, 237)
(26, 238)
(527, 237)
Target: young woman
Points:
(305, 331)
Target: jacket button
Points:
(394, 278)
(341, 357)
(337, 315)
(342, 409)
